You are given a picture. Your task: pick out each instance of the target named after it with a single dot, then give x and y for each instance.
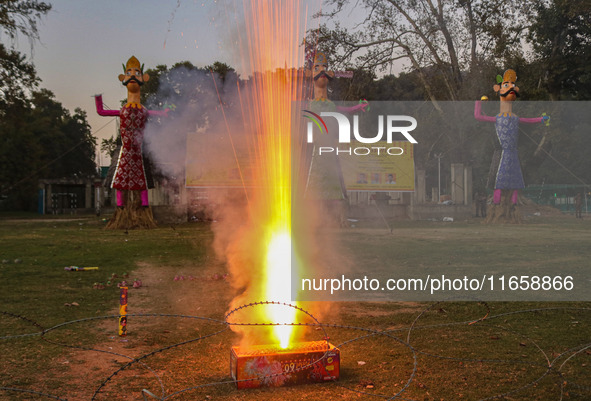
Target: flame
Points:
(278, 287)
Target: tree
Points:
(439, 40)
(21, 16)
(109, 146)
(561, 38)
(361, 86)
(186, 85)
(452, 49)
(223, 70)
(16, 75)
(42, 140)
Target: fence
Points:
(560, 196)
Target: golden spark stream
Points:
(273, 54)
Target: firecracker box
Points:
(271, 366)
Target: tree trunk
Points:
(473, 38)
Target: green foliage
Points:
(439, 42)
(223, 70)
(21, 16)
(42, 140)
(184, 84)
(109, 146)
(451, 46)
(17, 76)
(361, 86)
(561, 38)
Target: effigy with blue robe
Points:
(509, 175)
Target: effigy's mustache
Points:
(133, 79)
(510, 91)
(322, 74)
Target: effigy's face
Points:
(508, 91)
(318, 68)
(133, 79)
(321, 75)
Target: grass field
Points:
(408, 350)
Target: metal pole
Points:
(439, 156)
(438, 179)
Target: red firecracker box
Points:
(271, 366)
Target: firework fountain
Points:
(265, 253)
(260, 240)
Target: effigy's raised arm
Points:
(98, 100)
(478, 113)
(158, 113)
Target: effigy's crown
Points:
(133, 63)
(510, 76)
(320, 59)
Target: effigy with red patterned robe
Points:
(130, 173)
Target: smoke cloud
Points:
(211, 139)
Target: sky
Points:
(85, 42)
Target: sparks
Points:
(273, 35)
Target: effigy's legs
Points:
(120, 199)
(144, 197)
(131, 212)
(514, 197)
(505, 210)
(497, 196)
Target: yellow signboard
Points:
(218, 160)
(380, 166)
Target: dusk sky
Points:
(84, 42)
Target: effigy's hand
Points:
(364, 105)
(168, 107)
(546, 119)
(100, 109)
